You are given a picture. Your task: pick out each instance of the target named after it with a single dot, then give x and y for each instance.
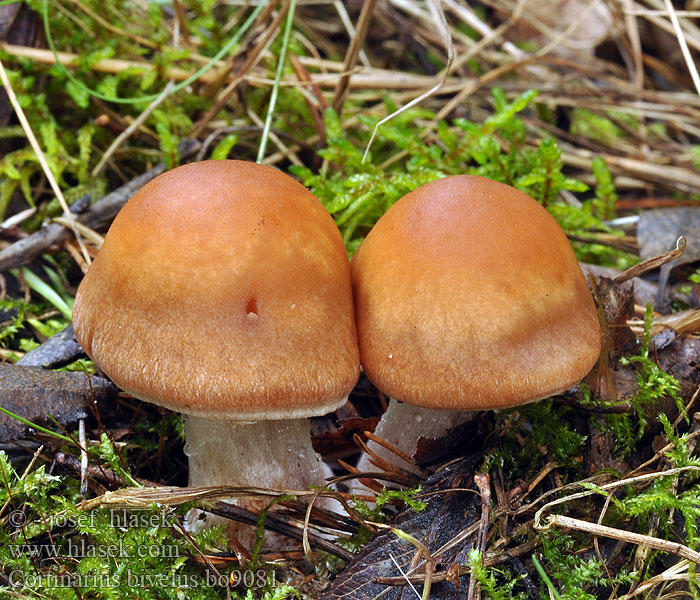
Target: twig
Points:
(104, 65)
(635, 42)
(207, 498)
(18, 218)
(99, 473)
(89, 234)
(350, 28)
(677, 572)
(620, 534)
(608, 486)
(652, 263)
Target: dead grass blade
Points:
(439, 18)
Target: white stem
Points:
(402, 425)
(267, 454)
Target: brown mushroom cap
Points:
(223, 289)
(468, 296)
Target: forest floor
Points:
(590, 107)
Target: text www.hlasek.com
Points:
(81, 549)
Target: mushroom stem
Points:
(266, 454)
(402, 425)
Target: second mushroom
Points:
(468, 296)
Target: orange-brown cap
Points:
(223, 289)
(469, 296)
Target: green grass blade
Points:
(278, 78)
(47, 292)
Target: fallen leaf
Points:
(447, 514)
(657, 232)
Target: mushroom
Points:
(222, 291)
(468, 297)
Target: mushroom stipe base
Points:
(273, 454)
(402, 425)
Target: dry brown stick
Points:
(607, 486)
(182, 21)
(676, 572)
(678, 177)
(68, 461)
(303, 75)
(635, 43)
(352, 53)
(207, 499)
(622, 535)
(652, 263)
(104, 65)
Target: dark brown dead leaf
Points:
(681, 358)
(338, 442)
(644, 291)
(34, 393)
(448, 513)
(658, 231)
(601, 454)
(618, 304)
(430, 451)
